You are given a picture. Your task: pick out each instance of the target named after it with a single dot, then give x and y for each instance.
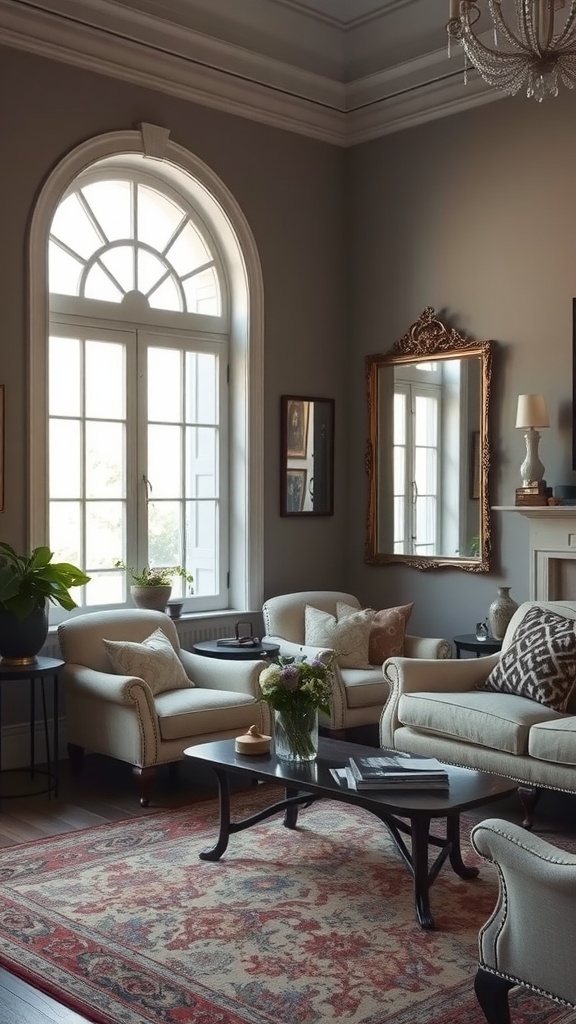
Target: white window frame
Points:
(226, 222)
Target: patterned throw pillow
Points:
(154, 660)
(347, 635)
(540, 662)
(387, 633)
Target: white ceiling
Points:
(343, 71)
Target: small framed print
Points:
(295, 489)
(297, 428)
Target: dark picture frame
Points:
(297, 415)
(306, 456)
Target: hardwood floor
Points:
(105, 792)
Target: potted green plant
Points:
(27, 584)
(151, 586)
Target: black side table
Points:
(212, 649)
(36, 672)
(470, 642)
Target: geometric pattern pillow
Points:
(347, 635)
(540, 663)
(154, 660)
(387, 633)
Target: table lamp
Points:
(531, 414)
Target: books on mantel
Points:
(402, 771)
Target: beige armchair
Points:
(530, 938)
(120, 715)
(359, 694)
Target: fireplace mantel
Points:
(552, 550)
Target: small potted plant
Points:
(151, 586)
(27, 583)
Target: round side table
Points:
(38, 671)
(212, 649)
(470, 642)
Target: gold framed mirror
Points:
(428, 453)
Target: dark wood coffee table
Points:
(306, 783)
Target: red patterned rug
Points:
(125, 924)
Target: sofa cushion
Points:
(347, 635)
(540, 662)
(501, 721)
(154, 660)
(364, 688)
(554, 741)
(204, 712)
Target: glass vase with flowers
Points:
(297, 691)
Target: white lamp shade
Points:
(532, 411)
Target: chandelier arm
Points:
(568, 33)
(519, 43)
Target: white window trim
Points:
(229, 224)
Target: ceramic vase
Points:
(296, 734)
(500, 612)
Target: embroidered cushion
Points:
(347, 635)
(540, 662)
(154, 660)
(387, 633)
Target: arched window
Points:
(151, 364)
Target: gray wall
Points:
(473, 215)
(291, 191)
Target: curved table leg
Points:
(291, 812)
(453, 838)
(420, 828)
(224, 834)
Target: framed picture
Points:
(306, 456)
(297, 428)
(295, 489)
(1, 447)
(475, 465)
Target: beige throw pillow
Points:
(347, 635)
(154, 660)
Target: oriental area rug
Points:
(125, 924)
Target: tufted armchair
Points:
(529, 939)
(119, 715)
(359, 694)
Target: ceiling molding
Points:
(160, 55)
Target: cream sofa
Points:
(435, 708)
(358, 694)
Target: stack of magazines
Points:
(396, 771)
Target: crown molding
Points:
(136, 48)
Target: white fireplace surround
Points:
(552, 550)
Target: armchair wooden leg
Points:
(144, 780)
(76, 757)
(492, 994)
(529, 796)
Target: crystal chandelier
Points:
(537, 52)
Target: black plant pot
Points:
(22, 639)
